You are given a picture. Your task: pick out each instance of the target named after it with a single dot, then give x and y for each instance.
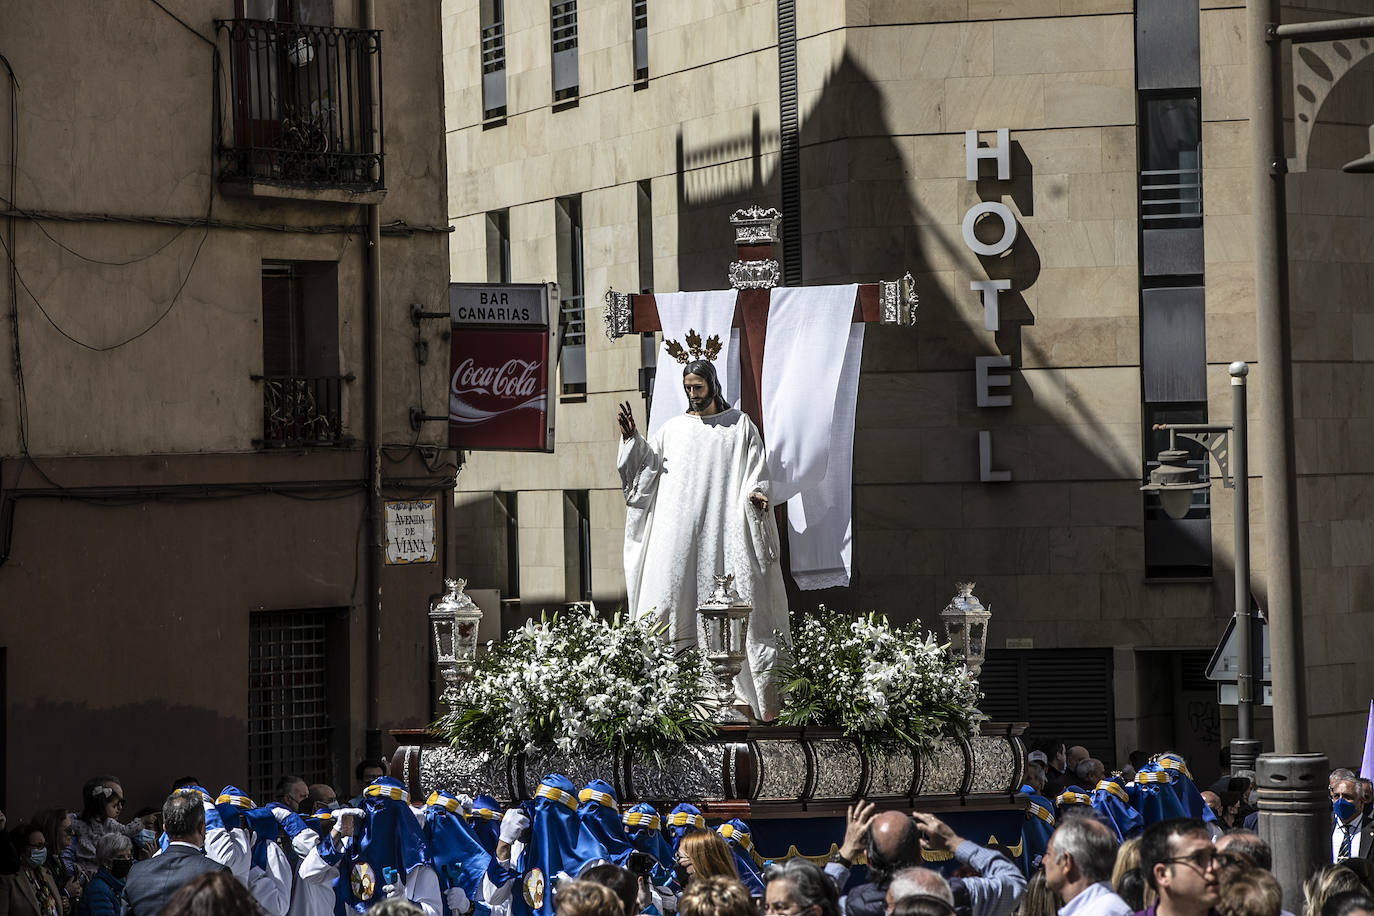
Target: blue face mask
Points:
(146, 836)
(1343, 808)
(37, 857)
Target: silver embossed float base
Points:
(994, 764)
(890, 772)
(693, 771)
(782, 770)
(839, 768)
(942, 770)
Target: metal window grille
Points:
(564, 25)
(288, 709)
(300, 410)
(494, 70)
(301, 98)
(1171, 198)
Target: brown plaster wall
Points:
(125, 619)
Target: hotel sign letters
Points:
(986, 374)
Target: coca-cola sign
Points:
(498, 394)
(501, 366)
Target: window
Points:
(1030, 685)
(639, 16)
(294, 696)
(1170, 161)
(508, 511)
(498, 246)
(302, 388)
(644, 210)
(563, 16)
(577, 545)
(493, 59)
(572, 359)
(301, 99)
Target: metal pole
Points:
(1294, 818)
(1244, 747)
(1276, 408)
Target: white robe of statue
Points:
(688, 518)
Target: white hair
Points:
(917, 880)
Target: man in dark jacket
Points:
(152, 882)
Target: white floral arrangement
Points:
(877, 683)
(580, 684)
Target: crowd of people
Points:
(1145, 841)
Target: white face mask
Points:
(1253, 798)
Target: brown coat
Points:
(18, 898)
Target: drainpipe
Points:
(372, 294)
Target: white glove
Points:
(514, 825)
(356, 812)
(392, 891)
(457, 900)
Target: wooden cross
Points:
(754, 274)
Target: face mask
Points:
(332, 806)
(145, 837)
(120, 868)
(1343, 808)
(1253, 798)
(37, 857)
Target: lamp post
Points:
(1174, 481)
(966, 628)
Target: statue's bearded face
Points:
(698, 391)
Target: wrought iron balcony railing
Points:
(302, 410)
(301, 101)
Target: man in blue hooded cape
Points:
(457, 855)
(740, 839)
(556, 846)
(645, 830)
(1112, 805)
(388, 858)
(485, 820)
(680, 819)
(1181, 781)
(270, 874)
(598, 813)
(1036, 830)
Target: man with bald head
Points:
(894, 844)
(1074, 756)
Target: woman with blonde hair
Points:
(703, 854)
(714, 896)
(1038, 900)
(1328, 881)
(1127, 880)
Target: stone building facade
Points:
(185, 453)
(1130, 291)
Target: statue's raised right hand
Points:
(626, 418)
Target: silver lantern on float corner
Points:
(725, 619)
(966, 628)
(453, 622)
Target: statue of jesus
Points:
(696, 501)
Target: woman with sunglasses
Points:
(102, 803)
(797, 887)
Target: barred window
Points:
(289, 697)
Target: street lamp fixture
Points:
(1174, 482)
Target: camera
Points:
(640, 863)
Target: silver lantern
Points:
(725, 620)
(966, 628)
(453, 621)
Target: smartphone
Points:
(640, 863)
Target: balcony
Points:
(303, 122)
(301, 411)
